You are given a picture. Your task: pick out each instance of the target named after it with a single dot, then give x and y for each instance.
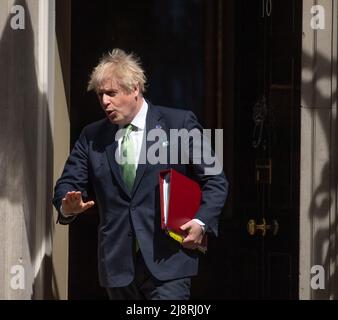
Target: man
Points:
(137, 259)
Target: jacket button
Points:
(133, 209)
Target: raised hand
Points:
(72, 203)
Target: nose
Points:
(105, 100)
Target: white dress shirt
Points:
(136, 135)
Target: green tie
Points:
(128, 166)
(128, 154)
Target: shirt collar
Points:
(140, 119)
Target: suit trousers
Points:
(146, 287)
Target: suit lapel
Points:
(111, 147)
(152, 121)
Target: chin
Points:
(118, 122)
(113, 119)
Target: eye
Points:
(111, 93)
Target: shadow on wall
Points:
(20, 105)
(322, 203)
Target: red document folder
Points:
(180, 199)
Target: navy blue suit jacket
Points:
(123, 214)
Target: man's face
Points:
(120, 107)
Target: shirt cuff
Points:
(200, 223)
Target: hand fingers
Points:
(191, 241)
(188, 239)
(88, 205)
(71, 203)
(67, 206)
(69, 196)
(65, 202)
(78, 195)
(74, 196)
(186, 226)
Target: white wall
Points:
(26, 156)
(318, 203)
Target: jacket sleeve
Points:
(208, 171)
(74, 176)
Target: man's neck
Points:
(140, 101)
(138, 108)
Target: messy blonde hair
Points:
(122, 68)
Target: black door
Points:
(236, 66)
(267, 146)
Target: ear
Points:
(136, 90)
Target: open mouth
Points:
(111, 113)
